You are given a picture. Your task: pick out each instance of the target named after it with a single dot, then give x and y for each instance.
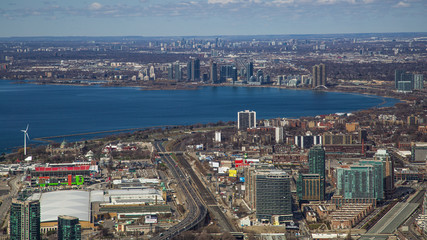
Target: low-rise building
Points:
(419, 152)
(349, 215)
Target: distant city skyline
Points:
(209, 17)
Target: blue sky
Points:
(208, 17)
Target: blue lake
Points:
(53, 110)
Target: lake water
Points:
(53, 110)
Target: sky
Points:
(208, 17)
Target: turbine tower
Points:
(25, 139)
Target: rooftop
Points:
(69, 202)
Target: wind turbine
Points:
(25, 139)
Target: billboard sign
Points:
(232, 173)
(57, 169)
(240, 162)
(150, 219)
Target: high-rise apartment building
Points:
(319, 75)
(195, 70)
(227, 71)
(334, 139)
(249, 71)
(305, 142)
(170, 71)
(418, 81)
(412, 120)
(273, 197)
(25, 220)
(152, 73)
(398, 77)
(316, 160)
(217, 136)
(369, 179)
(189, 70)
(260, 76)
(177, 71)
(406, 82)
(224, 72)
(310, 187)
(356, 182)
(69, 228)
(279, 134)
(246, 119)
(214, 72)
(378, 176)
(250, 187)
(404, 86)
(382, 155)
(250, 182)
(234, 74)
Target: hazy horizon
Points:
(25, 18)
(207, 36)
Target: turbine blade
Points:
(27, 127)
(28, 136)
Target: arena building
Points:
(74, 203)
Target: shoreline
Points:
(177, 86)
(197, 86)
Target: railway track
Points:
(207, 197)
(197, 211)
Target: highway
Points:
(410, 234)
(397, 215)
(418, 198)
(208, 198)
(196, 210)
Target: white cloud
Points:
(402, 4)
(95, 6)
(233, 1)
(292, 2)
(361, 1)
(344, 1)
(327, 1)
(280, 2)
(220, 1)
